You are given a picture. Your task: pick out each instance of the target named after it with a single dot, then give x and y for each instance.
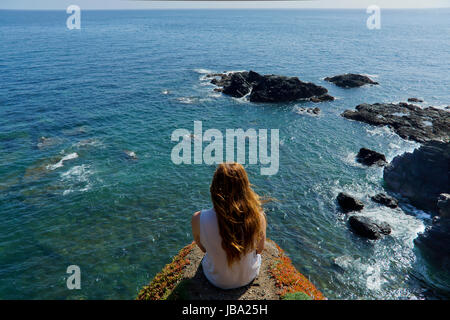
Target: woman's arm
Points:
(195, 222)
(262, 239)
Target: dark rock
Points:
(350, 80)
(385, 200)
(325, 97)
(435, 219)
(348, 203)
(369, 228)
(421, 176)
(370, 157)
(284, 89)
(311, 111)
(269, 88)
(434, 244)
(443, 205)
(316, 111)
(408, 121)
(213, 75)
(415, 100)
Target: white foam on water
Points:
(131, 154)
(350, 159)
(369, 273)
(427, 123)
(375, 271)
(394, 146)
(78, 179)
(88, 142)
(234, 71)
(60, 163)
(380, 131)
(187, 100)
(441, 107)
(417, 212)
(202, 71)
(405, 227)
(397, 145)
(370, 75)
(205, 82)
(215, 95)
(374, 279)
(243, 99)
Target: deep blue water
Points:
(98, 91)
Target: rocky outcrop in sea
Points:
(369, 228)
(421, 176)
(349, 203)
(385, 200)
(407, 120)
(350, 80)
(369, 157)
(268, 88)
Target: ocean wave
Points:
(202, 71)
(370, 75)
(244, 99)
(60, 163)
(188, 100)
(215, 95)
(350, 159)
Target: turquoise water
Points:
(99, 91)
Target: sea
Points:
(86, 123)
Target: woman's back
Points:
(215, 266)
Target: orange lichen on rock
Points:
(289, 280)
(164, 282)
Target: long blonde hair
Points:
(239, 210)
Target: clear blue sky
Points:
(129, 4)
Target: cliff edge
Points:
(183, 279)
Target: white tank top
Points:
(214, 263)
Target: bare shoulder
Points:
(263, 219)
(196, 218)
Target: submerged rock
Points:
(350, 80)
(47, 142)
(421, 176)
(415, 100)
(370, 157)
(408, 121)
(311, 111)
(385, 200)
(369, 228)
(268, 88)
(348, 203)
(131, 154)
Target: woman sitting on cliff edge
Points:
(233, 232)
